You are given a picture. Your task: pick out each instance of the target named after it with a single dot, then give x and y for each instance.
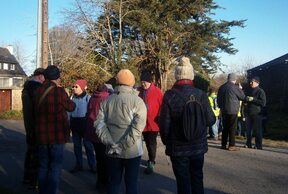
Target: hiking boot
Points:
(76, 169)
(257, 148)
(150, 167)
(246, 146)
(233, 148)
(223, 147)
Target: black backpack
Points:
(193, 117)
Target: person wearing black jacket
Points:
(229, 96)
(254, 113)
(28, 99)
(187, 157)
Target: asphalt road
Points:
(246, 171)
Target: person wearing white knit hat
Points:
(184, 69)
(187, 156)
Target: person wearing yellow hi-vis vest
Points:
(213, 130)
(241, 121)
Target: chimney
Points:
(10, 49)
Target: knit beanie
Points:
(82, 83)
(184, 69)
(125, 77)
(146, 76)
(52, 72)
(232, 77)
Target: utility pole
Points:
(39, 35)
(44, 47)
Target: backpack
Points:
(193, 117)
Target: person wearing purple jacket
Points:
(100, 94)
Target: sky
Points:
(264, 38)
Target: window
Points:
(18, 82)
(4, 82)
(12, 67)
(5, 66)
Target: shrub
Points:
(13, 115)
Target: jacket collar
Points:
(184, 82)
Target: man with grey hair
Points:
(229, 96)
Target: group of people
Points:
(232, 106)
(113, 122)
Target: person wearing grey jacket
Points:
(229, 96)
(119, 125)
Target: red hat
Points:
(82, 83)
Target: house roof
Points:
(280, 60)
(6, 57)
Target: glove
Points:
(115, 149)
(243, 119)
(250, 98)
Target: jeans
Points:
(150, 138)
(50, 165)
(188, 171)
(77, 142)
(116, 166)
(254, 123)
(214, 129)
(229, 127)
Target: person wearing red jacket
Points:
(152, 97)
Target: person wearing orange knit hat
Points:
(119, 125)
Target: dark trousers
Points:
(116, 167)
(254, 124)
(31, 165)
(189, 174)
(150, 138)
(101, 164)
(229, 127)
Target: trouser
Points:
(213, 130)
(150, 138)
(229, 127)
(101, 165)
(254, 123)
(188, 171)
(31, 165)
(50, 165)
(116, 167)
(77, 142)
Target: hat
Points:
(256, 79)
(82, 83)
(102, 88)
(184, 69)
(38, 71)
(52, 72)
(232, 77)
(146, 76)
(125, 77)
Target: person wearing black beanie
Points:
(152, 97)
(254, 113)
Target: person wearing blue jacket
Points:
(78, 126)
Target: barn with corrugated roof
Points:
(274, 80)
